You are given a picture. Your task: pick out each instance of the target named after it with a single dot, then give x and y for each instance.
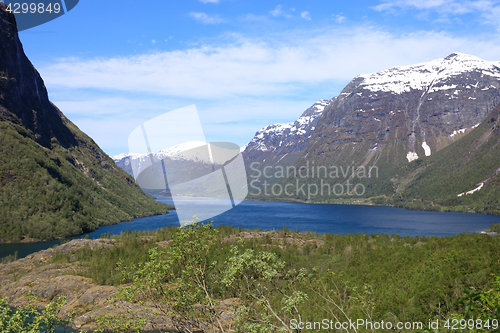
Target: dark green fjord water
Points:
(341, 219)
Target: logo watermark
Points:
(32, 13)
(169, 153)
(406, 326)
(322, 180)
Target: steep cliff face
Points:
(54, 180)
(23, 97)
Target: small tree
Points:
(260, 276)
(482, 305)
(28, 319)
(175, 280)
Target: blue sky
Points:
(111, 65)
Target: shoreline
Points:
(361, 202)
(368, 202)
(27, 239)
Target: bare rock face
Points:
(23, 97)
(281, 144)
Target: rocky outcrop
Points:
(89, 301)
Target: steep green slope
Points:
(461, 167)
(54, 180)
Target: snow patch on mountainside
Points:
(480, 186)
(403, 79)
(427, 149)
(411, 156)
(462, 130)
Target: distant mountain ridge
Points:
(54, 180)
(291, 136)
(282, 144)
(126, 160)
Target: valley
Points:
(293, 231)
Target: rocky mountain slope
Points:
(384, 122)
(54, 180)
(425, 107)
(281, 144)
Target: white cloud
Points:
(306, 16)
(85, 107)
(254, 18)
(423, 4)
(486, 8)
(239, 81)
(252, 67)
(206, 19)
(210, 1)
(153, 41)
(339, 18)
(278, 11)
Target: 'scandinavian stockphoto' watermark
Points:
(324, 180)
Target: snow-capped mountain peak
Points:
(287, 132)
(175, 152)
(172, 152)
(402, 79)
(134, 163)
